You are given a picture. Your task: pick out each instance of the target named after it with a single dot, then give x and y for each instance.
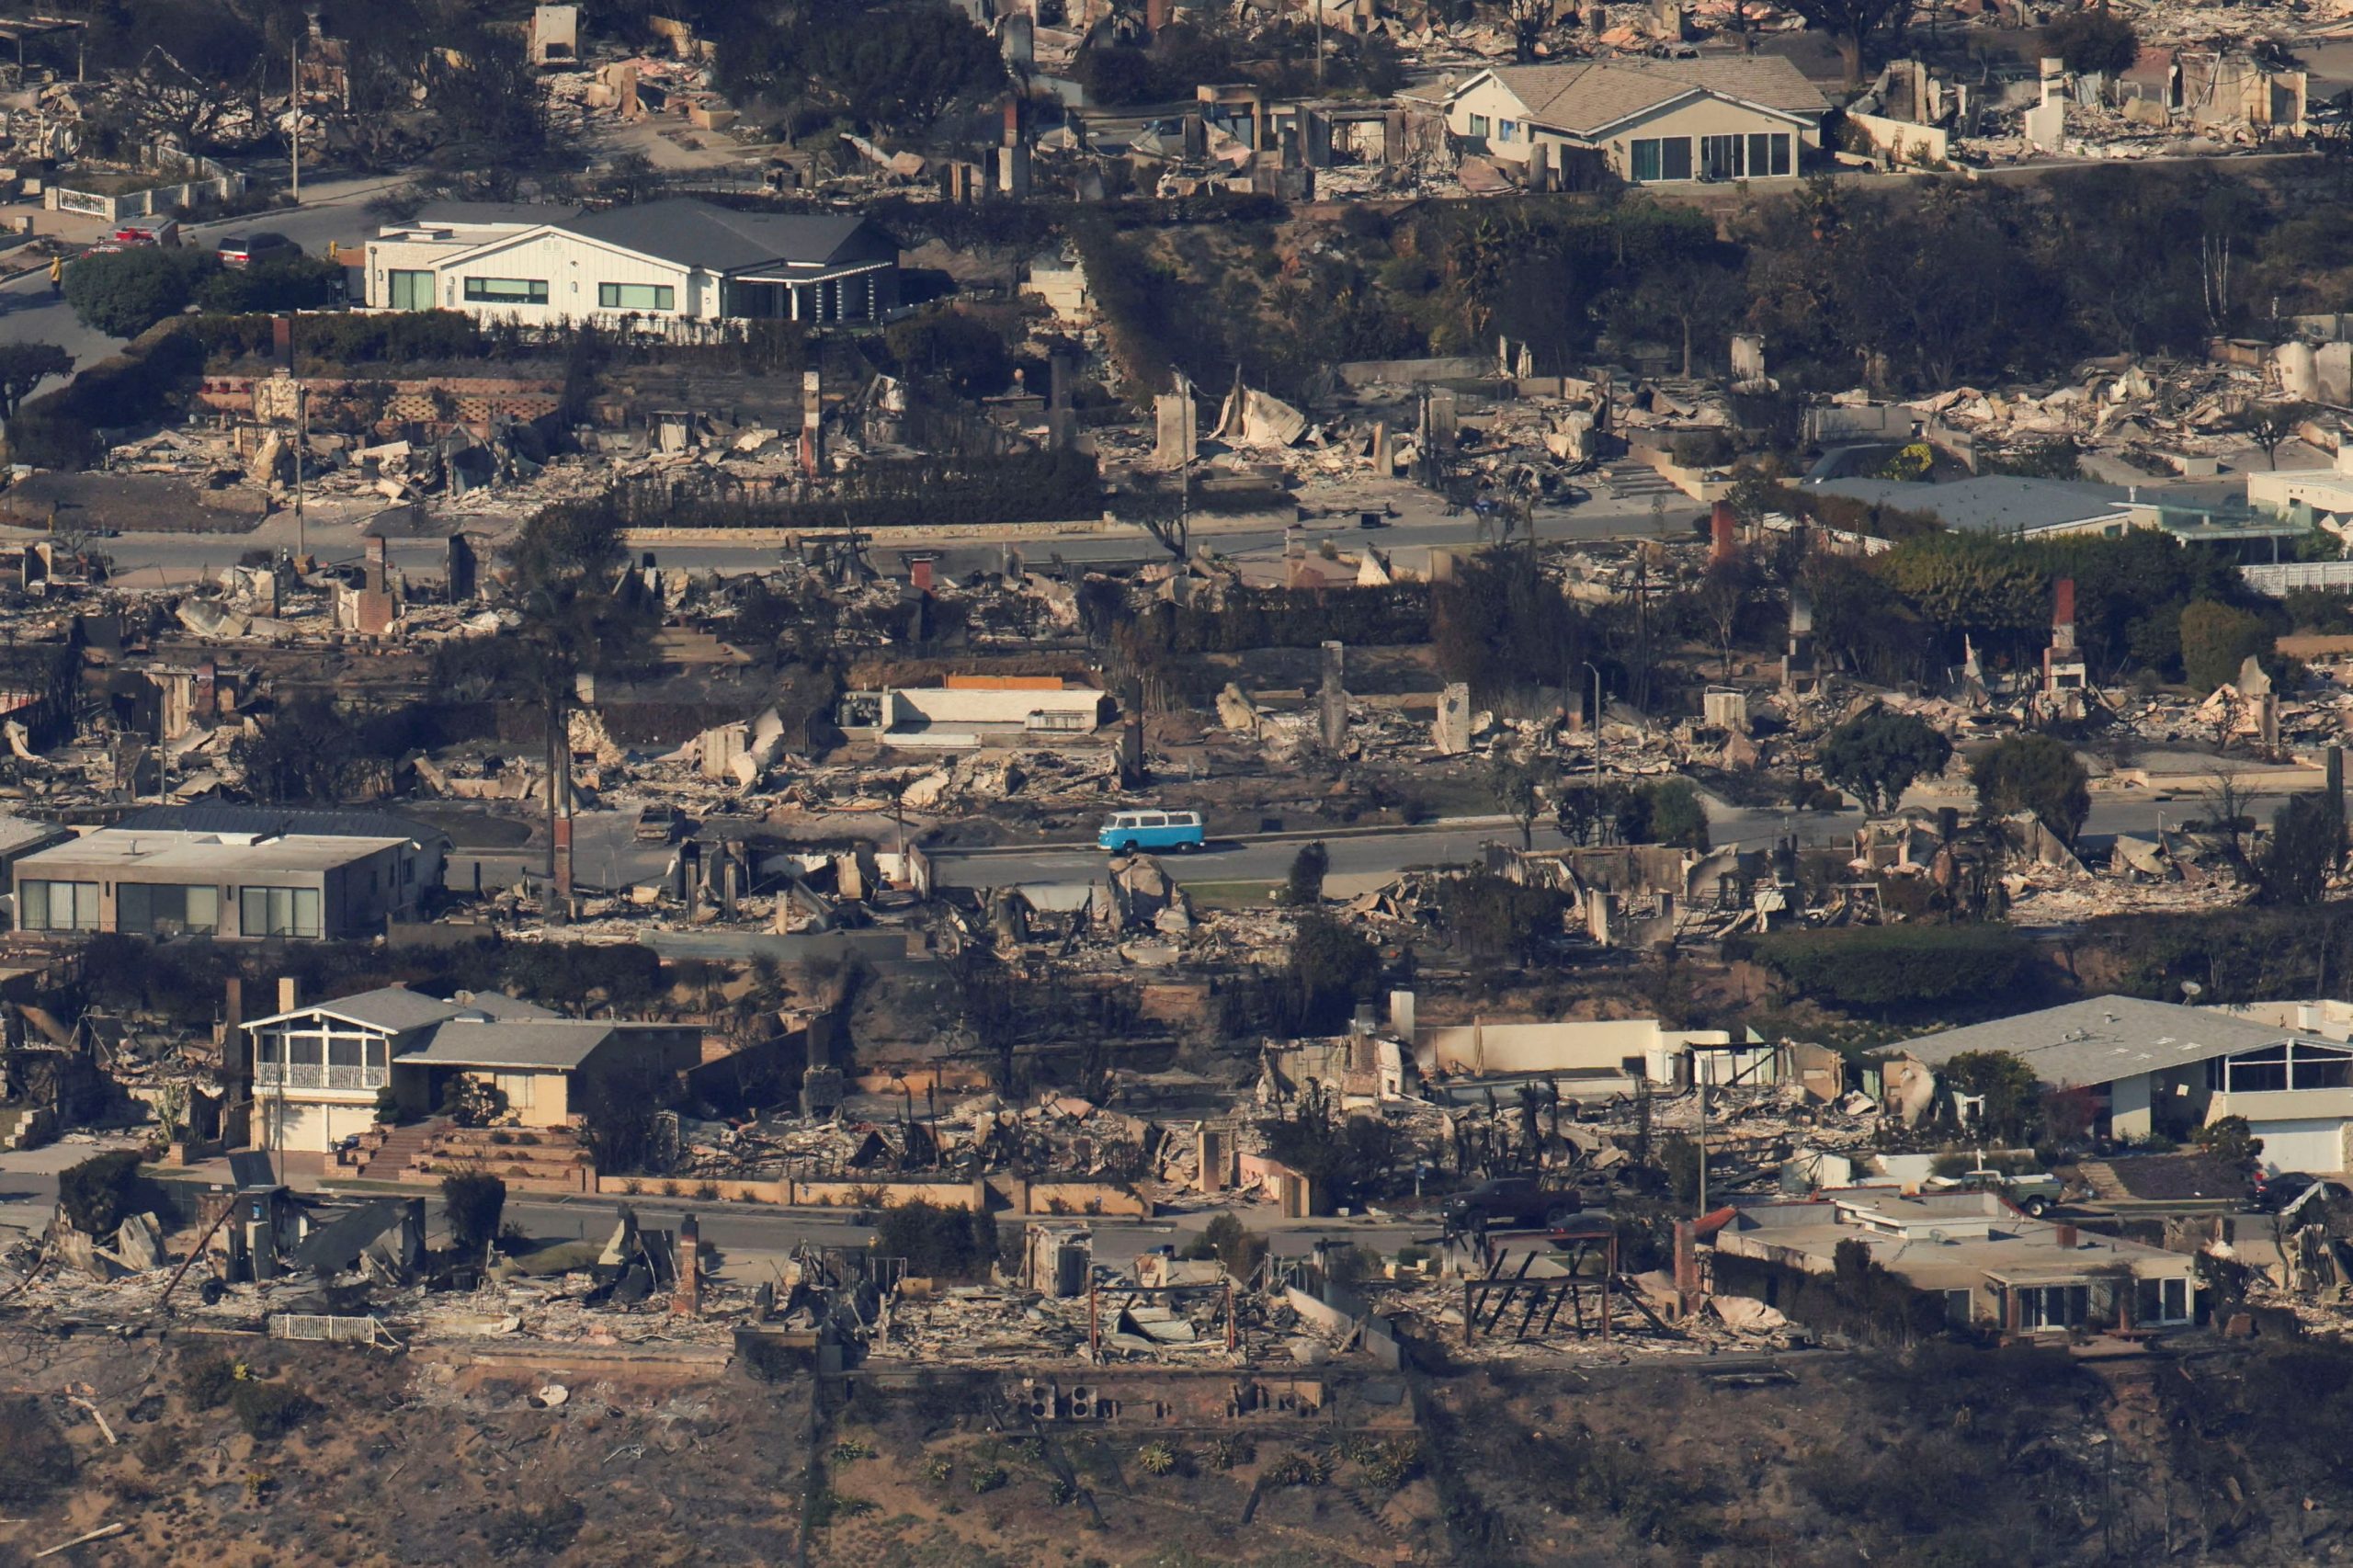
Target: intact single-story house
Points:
(231, 872)
(1649, 121)
(2159, 1067)
(651, 268)
(1992, 1266)
(318, 1069)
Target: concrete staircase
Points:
(2100, 1176)
(1638, 482)
(396, 1148)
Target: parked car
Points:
(2033, 1191)
(2292, 1190)
(1504, 1201)
(245, 250)
(146, 232)
(1127, 832)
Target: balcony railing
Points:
(313, 1076)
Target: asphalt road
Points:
(1394, 850)
(31, 312)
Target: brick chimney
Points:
(289, 993)
(1724, 533)
(2066, 1238)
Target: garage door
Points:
(2313, 1145)
(304, 1131)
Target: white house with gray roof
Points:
(2159, 1067)
(660, 267)
(318, 1070)
(1650, 122)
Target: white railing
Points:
(312, 1075)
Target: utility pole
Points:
(294, 134)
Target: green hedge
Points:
(145, 382)
(1875, 967)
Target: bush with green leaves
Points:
(1297, 1468)
(122, 293)
(1876, 754)
(939, 1241)
(1885, 968)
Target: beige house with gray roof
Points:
(1648, 121)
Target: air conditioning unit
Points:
(1040, 1398)
(1082, 1403)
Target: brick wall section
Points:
(473, 400)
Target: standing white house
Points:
(651, 267)
(1647, 121)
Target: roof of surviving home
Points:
(519, 214)
(278, 820)
(558, 1043)
(137, 854)
(696, 233)
(1934, 1241)
(2104, 1038)
(1585, 95)
(17, 832)
(1992, 503)
(396, 1009)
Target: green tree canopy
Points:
(2006, 1082)
(2038, 774)
(2217, 639)
(23, 366)
(1332, 969)
(122, 293)
(1876, 755)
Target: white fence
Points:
(2282, 578)
(334, 1330)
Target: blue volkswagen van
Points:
(1150, 830)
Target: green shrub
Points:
(470, 1205)
(987, 1479)
(1875, 967)
(1296, 1469)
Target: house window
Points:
(2293, 1064)
(1767, 155)
(149, 908)
(507, 290)
(1957, 1305)
(1724, 157)
(1660, 158)
(2318, 1067)
(2161, 1301)
(2053, 1306)
(1478, 125)
(1507, 130)
(409, 291)
(636, 297)
(58, 906)
(277, 912)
